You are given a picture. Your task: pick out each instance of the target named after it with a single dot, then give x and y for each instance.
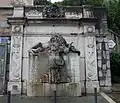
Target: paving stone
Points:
(87, 99)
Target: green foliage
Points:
(113, 7)
(115, 67)
(70, 2)
(80, 2)
(96, 2)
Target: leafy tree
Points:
(96, 2)
(115, 64)
(72, 2)
(81, 2)
(113, 7)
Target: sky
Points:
(55, 0)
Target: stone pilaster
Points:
(91, 64)
(91, 80)
(15, 74)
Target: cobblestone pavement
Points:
(115, 96)
(88, 99)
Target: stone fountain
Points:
(49, 68)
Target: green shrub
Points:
(115, 67)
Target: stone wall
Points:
(103, 57)
(79, 25)
(78, 42)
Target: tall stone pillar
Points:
(103, 56)
(15, 77)
(90, 59)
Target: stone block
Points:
(62, 90)
(47, 89)
(74, 89)
(82, 68)
(24, 87)
(90, 85)
(25, 68)
(104, 54)
(108, 82)
(99, 46)
(105, 40)
(108, 73)
(100, 63)
(106, 89)
(108, 55)
(99, 55)
(14, 87)
(77, 79)
(104, 67)
(108, 64)
(48, 29)
(106, 46)
(18, 12)
(35, 89)
(100, 40)
(100, 73)
(102, 82)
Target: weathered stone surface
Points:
(108, 64)
(99, 40)
(91, 59)
(14, 87)
(37, 29)
(99, 54)
(91, 85)
(99, 63)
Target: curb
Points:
(106, 97)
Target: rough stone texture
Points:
(31, 41)
(82, 68)
(103, 57)
(14, 84)
(48, 30)
(15, 63)
(39, 65)
(24, 99)
(91, 64)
